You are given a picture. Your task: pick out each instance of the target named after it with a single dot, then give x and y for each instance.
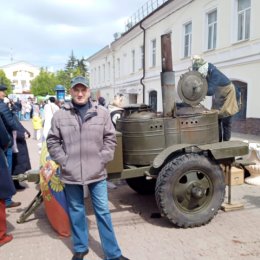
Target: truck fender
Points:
(219, 150)
(161, 157)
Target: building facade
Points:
(20, 74)
(225, 33)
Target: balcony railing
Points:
(142, 12)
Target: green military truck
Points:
(174, 155)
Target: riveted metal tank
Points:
(142, 135)
(145, 134)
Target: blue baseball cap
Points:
(79, 80)
(3, 88)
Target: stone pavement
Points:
(230, 235)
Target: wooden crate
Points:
(237, 176)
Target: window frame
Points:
(153, 52)
(189, 35)
(141, 64)
(214, 27)
(133, 60)
(245, 15)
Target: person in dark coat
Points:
(102, 101)
(11, 125)
(7, 188)
(223, 94)
(21, 160)
(18, 106)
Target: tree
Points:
(5, 81)
(73, 68)
(44, 84)
(63, 78)
(83, 67)
(72, 63)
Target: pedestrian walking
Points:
(49, 109)
(18, 106)
(21, 160)
(88, 142)
(37, 125)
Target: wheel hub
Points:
(197, 192)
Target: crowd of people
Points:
(14, 154)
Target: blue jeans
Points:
(27, 116)
(9, 157)
(79, 225)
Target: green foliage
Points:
(5, 81)
(72, 63)
(44, 84)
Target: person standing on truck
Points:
(82, 141)
(223, 94)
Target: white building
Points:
(223, 32)
(20, 74)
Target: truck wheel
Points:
(141, 185)
(190, 190)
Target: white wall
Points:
(238, 60)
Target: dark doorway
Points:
(153, 100)
(241, 92)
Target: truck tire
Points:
(141, 185)
(190, 190)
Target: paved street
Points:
(230, 235)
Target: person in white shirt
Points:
(49, 109)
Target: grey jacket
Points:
(82, 149)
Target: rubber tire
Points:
(171, 192)
(141, 185)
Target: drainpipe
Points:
(143, 77)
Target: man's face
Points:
(2, 94)
(80, 94)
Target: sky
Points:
(44, 33)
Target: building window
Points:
(99, 75)
(243, 14)
(104, 72)
(132, 98)
(125, 65)
(212, 30)
(153, 100)
(108, 71)
(141, 57)
(95, 76)
(118, 67)
(133, 61)
(187, 39)
(153, 53)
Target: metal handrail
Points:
(142, 12)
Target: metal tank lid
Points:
(192, 88)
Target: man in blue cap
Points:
(82, 141)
